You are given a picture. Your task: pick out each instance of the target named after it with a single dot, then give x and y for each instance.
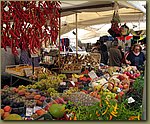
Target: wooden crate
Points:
(17, 69)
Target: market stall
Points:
(103, 92)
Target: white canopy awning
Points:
(97, 12)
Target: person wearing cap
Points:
(115, 56)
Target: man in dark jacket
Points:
(115, 54)
(104, 53)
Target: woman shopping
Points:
(136, 57)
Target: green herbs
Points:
(104, 110)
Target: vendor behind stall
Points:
(95, 52)
(25, 58)
(115, 54)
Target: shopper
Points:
(136, 57)
(95, 48)
(25, 58)
(115, 54)
(104, 53)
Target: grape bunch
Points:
(52, 92)
(70, 91)
(21, 87)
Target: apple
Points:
(110, 86)
(132, 76)
(120, 77)
(121, 93)
(121, 86)
(125, 86)
(137, 74)
(116, 96)
(125, 72)
(128, 74)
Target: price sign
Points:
(92, 75)
(29, 111)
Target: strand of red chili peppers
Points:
(24, 24)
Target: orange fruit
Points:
(7, 109)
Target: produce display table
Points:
(19, 78)
(108, 93)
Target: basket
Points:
(113, 85)
(125, 80)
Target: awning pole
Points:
(77, 37)
(59, 40)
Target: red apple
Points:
(132, 76)
(125, 72)
(120, 77)
(121, 86)
(128, 74)
(137, 74)
(121, 93)
(116, 96)
(125, 86)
